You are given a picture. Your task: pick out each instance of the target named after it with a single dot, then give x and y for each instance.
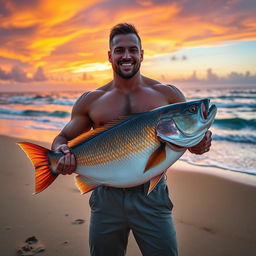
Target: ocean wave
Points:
(37, 120)
(39, 100)
(219, 165)
(235, 105)
(235, 123)
(36, 127)
(250, 91)
(229, 104)
(233, 97)
(15, 112)
(236, 138)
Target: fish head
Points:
(185, 124)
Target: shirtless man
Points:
(115, 211)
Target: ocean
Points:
(41, 115)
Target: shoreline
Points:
(214, 211)
(238, 177)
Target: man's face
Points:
(125, 55)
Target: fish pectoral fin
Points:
(156, 157)
(84, 184)
(154, 181)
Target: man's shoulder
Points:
(171, 92)
(149, 81)
(90, 96)
(165, 88)
(154, 84)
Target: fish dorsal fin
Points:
(156, 157)
(90, 134)
(84, 136)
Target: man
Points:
(115, 211)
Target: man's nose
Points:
(126, 54)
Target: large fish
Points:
(129, 151)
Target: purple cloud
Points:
(17, 74)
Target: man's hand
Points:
(203, 146)
(67, 163)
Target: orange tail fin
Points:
(38, 157)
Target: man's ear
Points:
(109, 56)
(141, 54)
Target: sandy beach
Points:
(214, 210)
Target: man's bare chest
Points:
(110, 107)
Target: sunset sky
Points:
(45, 41)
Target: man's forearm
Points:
(59, 140)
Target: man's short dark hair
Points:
(123, 28)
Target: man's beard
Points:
(128, 76)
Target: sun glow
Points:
(93, 67)
(69, 40)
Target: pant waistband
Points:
(143, 187)
(136, 188)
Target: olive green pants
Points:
(116, 211)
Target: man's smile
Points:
(126, 66)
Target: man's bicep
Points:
(80, 121)
(76, 126)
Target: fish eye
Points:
(192, 109)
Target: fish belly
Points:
(129, 171)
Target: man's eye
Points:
(118, 50)
(134, 50)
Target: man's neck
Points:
(127, 85)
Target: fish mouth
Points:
(212, 111)
(183, 133)
(207, 113)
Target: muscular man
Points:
(115, 211)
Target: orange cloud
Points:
(72, 36)
(38, 22)
(46, 13)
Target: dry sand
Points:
(214, 212)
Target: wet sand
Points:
(214, 210)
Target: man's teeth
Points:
(126, 64)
